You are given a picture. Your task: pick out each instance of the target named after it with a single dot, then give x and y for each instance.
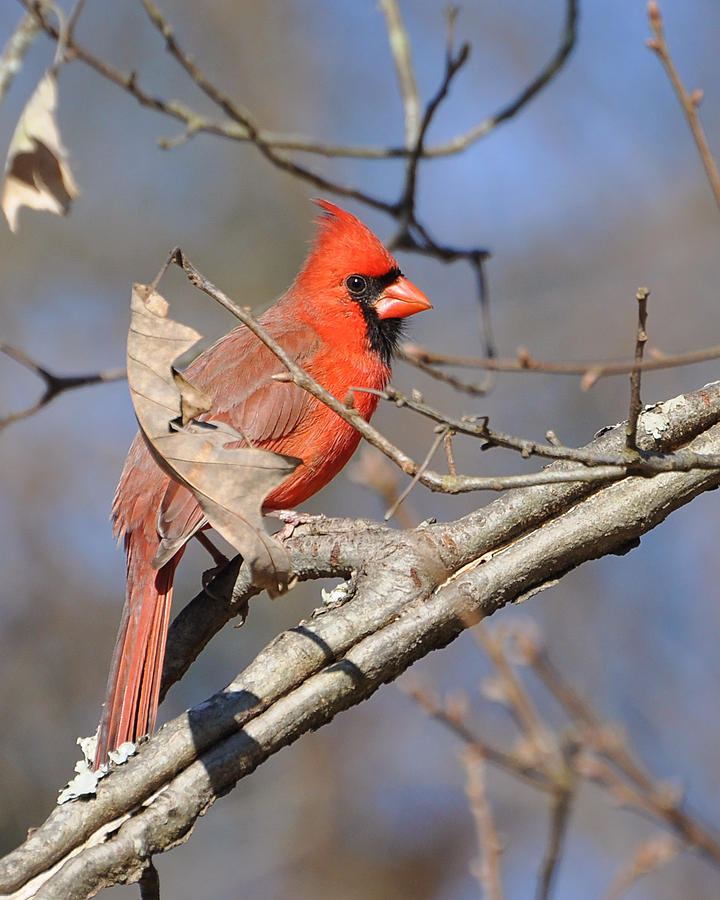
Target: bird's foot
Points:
(291, 519)
(218, 556)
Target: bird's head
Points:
(349, 267)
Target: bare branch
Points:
(234, 130)
(448, 716)
(474, 389)
(414, 591)
(243, 118)
(74, 16)
(560, 807)
(402, 56)
(14, 51)
(591, 371)
(647, 858)
(649, 462)
(641, 296)
(54, 384)
(245, 128)
(487, 868)
(371, 470)
(517, 700)
(629, 782)
(449, 454)
(553, 67)
(439, 438)
(689, 102)
(405, 209)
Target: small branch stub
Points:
(641, 296)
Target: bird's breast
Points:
(323, 440)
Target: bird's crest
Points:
(343, 246)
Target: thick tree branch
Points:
(412, 592)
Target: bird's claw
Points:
(291, 519)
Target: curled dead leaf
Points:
(229, 483)
(37, 174)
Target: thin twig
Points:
(474, 389)
(487, 868)
(449, 455)
(402, 56)
(655, 805)
(527, 363)
(196, 123)
(486, 330)
(451, 484)
(647, 858)
(439, 438)
(517, 700)
(243, 129)
(648, 463)
(14, 51)
(243, 118)
(636, 375)
(405, 208)
(54, 384)
(602, 737)
(413, 236)
(593, 752)
(74, 16)
(689, 102)
(559, 820)
(371, 470)
(454, 723)
(629, 782)
(553, 67)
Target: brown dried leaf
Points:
(37, 174)
(193, 401)
(229, 484)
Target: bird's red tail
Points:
(134, 684)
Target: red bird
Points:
(341, 320)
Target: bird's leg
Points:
(218, 556)
(291, 519)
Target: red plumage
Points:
(340, 335)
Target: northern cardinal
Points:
(341, 320)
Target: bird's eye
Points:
(356, 284)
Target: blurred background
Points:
(594, 189)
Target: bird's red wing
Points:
(244, 392)
(247, 397)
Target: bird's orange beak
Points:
(401, 299)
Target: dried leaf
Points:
(229, 484)
(37, 174)
(193, 402)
